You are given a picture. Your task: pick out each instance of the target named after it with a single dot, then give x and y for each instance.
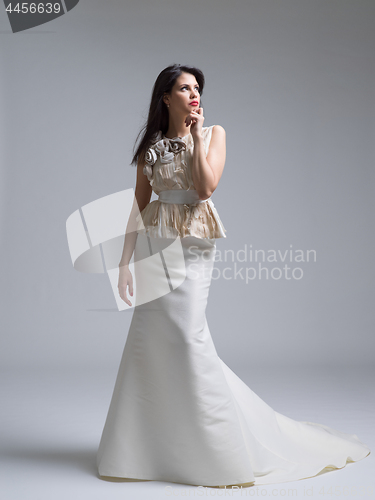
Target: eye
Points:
(186, 86)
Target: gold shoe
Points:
(121, 479)
(243, 485)
(130, 480)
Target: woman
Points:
(178, 413)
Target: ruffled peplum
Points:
(172, 220)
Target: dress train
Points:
(178, 413)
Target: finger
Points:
(122, 293)
(130, 285)
(125, 299)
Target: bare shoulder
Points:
(218, 130)
(218, 137)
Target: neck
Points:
(177, 128)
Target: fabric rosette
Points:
(151, 156)
(176, 145)
(162, 148)
(166, 149)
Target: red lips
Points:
(194, 103)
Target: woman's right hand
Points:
(125, 280)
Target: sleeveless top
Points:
(168, 165)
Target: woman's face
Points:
(184, 91)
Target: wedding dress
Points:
(178, 413)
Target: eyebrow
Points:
(183, 84)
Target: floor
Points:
(52, 420)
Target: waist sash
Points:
(180, 196)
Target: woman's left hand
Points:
(195, 119)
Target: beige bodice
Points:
(168, 166)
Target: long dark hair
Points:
(158, 118)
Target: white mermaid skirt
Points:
(179, 414)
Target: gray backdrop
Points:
(292, 83)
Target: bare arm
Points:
(142, 197)
(207, 171)
(143, 192)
